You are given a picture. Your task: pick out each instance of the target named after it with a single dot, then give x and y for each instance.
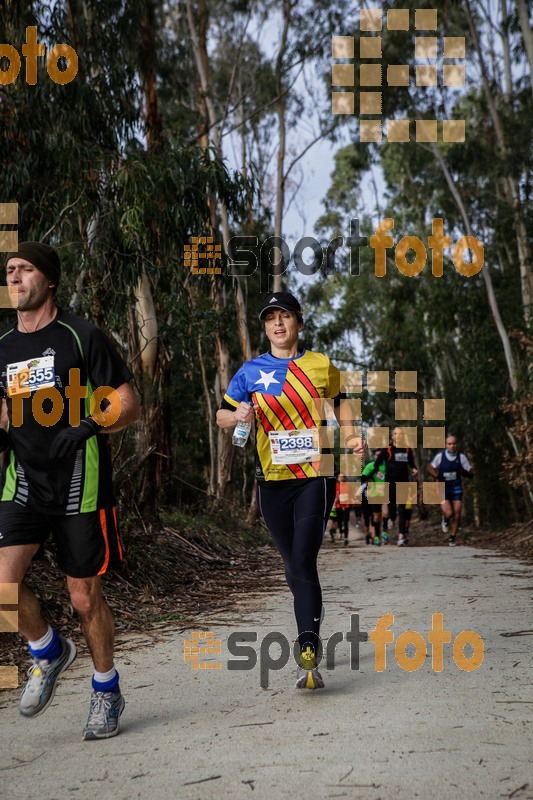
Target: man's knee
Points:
(85, 595)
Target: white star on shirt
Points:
(267, 378)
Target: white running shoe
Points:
(401, 540)
(104, 715)
(42, 681)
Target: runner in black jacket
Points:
(397, 461)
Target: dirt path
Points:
(392, 734)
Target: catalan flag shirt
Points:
(288, 392)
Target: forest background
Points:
(194, 119)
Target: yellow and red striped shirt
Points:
(287, 392)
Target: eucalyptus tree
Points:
(96, 174)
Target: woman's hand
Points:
(358, 447)
(244, 413)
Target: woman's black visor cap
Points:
(283, 300)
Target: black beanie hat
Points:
(41, 256)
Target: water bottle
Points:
(241, 433)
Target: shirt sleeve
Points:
(465, 463)
(334, 381)
(379, 461)
(105, 367)
(237, 390)
(436, 461)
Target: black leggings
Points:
(343, 515)
(295, 516)
(392, 508)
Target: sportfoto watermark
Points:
(38, 376)
(245, 254)
(32, 50)
(246, 656)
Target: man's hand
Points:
(414, 472)
(70, 439)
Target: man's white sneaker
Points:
(42, 681)
(401, 540)
(104, 715)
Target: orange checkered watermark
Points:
(406, 410)
(202, 643)
(193, 255)
(438, 57)
(9, 243)
(9, 624)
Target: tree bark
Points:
(510, 186)
(527, 34)
(493, 303)
(280, 110)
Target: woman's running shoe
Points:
(308, 676)
(384, 538)
(377, 541)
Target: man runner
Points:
(56, 476)
(449, 466)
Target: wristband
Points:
(92, 423)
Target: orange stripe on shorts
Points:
(116, 531)
(103, 523)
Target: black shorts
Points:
(367, 510)
(453, 492)
(87, 544)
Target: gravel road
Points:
(215, 733)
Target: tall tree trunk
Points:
(151, 364)
(511, 187)
(280, 110)
(506, 51)
(527, 34)
(200, 54)
(224, 446)
(493, 303)
(210, 421)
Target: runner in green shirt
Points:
(380, 511)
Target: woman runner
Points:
(286, 386)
